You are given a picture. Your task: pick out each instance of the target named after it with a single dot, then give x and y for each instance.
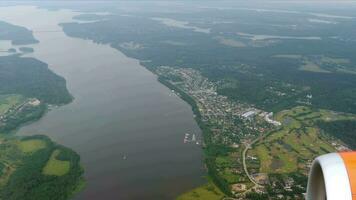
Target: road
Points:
(248, 146)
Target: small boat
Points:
(186, 138)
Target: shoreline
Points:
(211, 171)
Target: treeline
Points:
(345, 130)
(32, 78)
(29, 183)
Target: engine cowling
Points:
(333, 177)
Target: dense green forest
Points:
(345, 130)
(32, 78)
(18, 35)
(28, 182)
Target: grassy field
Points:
(321, 64)
(205, 192)
(56, 167)
(227, 164)
(312, 67)
(297, 143)
(29, 146)
(9, 101)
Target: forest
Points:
(18, 35)
(345, 130)
(32, 78)
(28, 182)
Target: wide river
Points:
(126, 126)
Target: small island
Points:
(26, 49)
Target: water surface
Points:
(120, 110)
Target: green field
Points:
(206, 192)
(9, 101)
(29, 146)
(297, 143)
(312, 67)
(56, 167)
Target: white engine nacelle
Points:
(333, 177)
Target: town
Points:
(233, 124)
(232, 121)
(239, 128)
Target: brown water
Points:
(120, 109)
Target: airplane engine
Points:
(333, 177)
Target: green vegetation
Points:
(288, 152)
(312, 67)
(345, 130)
(26, 113)
(30, 146)
(32, 168)
(22, 178)
(26, 49)
(281, 71)
(18, 35)
(10, 101)
(31, 78)
(56, 167)
(211, 151)
(23, 80)
(297, 143)
(206, 192)
(265, 73)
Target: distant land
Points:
(270, 88)
(32, 167)
(263, 84)
(18, 35)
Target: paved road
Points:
(248, 146)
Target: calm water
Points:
(119, 110)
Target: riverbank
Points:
(120, 110)
(32, 167)
(208, 152)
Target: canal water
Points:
(126, 126)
